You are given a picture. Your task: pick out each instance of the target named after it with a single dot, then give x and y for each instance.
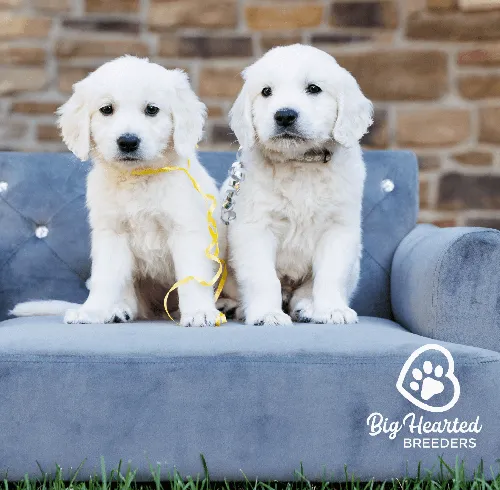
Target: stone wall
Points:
(431, 67)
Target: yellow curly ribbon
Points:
(211, 252)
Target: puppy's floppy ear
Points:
(188, 114)
(74, 122)
(240, 119)
(355, 111)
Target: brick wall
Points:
(431, 67)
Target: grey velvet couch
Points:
(258, 399)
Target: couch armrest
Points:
(445, 284)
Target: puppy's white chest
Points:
(148, 227)
(141, 213)
(304, 200)
(302, 211)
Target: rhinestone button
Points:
(387, 185)
(41, 231)
(3, 186)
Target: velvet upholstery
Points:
(456, 271)
(258, 400)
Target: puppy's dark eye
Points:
(106, 110)
(266, 92)
(151, 110)
(313, 89)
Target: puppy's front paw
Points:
(113, 314)
(305, 312)
(202, 318)
(271, 318)
(340, 315)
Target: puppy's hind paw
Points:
(231, 308)
(303, 311)
(115, 314)
(227, 305)
(271, 318)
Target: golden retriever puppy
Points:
(296, 238)
(147, 231)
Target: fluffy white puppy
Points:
(147, 231)
(297, 233)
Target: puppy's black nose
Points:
(285, 117)
(128, 142)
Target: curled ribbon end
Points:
(221, 318)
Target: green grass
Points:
(449, 478)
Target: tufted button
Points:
(41, 231)
(387, 185)
(3, 186)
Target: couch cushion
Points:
(48, 190)
(257, 399)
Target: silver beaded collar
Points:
(237, 176)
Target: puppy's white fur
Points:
(147, 231)
(298, 224)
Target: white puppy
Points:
(148, 231)
(297, 232)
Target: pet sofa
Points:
(255, 399)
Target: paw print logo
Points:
(429, 387)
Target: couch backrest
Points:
(44, 234)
